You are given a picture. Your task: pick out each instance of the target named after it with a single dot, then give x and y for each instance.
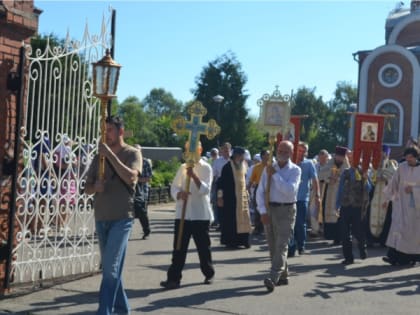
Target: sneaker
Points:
(269, 284)
(282, 282)
(169, 285)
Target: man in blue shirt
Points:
(308, 178)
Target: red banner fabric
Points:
(369, 129)
(293, 135)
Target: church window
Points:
(392, 124)
(390, 75)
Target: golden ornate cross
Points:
(195, 128)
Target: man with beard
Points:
(404, 191)
(113, 204)
(336, 167)
(232, 199)
(315, 206)
(379, 217)
(278, 213)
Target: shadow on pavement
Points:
(203, 297)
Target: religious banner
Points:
(274, 118)
(293, 135)
(369, 129)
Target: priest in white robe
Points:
(404, 192)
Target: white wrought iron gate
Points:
(54, 219)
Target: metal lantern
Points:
(106, 73)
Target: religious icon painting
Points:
(369, 132)
(290, 135)
(275, 114)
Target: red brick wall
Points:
(402, 93)
(18, 22)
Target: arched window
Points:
(392, 128)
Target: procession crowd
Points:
(270, 195)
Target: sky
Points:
(289, 44)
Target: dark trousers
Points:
(199, 230)
(352, 225)
(258, 226)
(298, 238)
(141, 213)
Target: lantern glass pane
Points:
(113, 80)
(99, 80)
(105, 78)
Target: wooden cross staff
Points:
(195, 128)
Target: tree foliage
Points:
(327, 123)
(224, 76)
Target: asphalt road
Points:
(319, 284)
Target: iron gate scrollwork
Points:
(54, 219)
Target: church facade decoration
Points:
(389, 78)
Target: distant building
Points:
(389, 77)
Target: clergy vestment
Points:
(235, 221)
(331, 227)
(404, 234)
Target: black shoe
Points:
(302, 252)
(389, 260)
(169, 285)
(335, 243)
(347, 262)
(209, 280)
(269, 284)
(363, 254)
(282, 282)
(145, 235)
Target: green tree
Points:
(224, 76)
(345, 96)
(137, 121)
(305, 102)
(256, 139)
(160, 103)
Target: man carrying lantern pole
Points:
(193, 210)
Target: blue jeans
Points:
(113, 239)
(299, 235)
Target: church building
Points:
(389, 78)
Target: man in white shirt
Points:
(279, 218)
(198, 216)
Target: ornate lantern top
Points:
(105, 77)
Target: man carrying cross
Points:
(191, 190)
